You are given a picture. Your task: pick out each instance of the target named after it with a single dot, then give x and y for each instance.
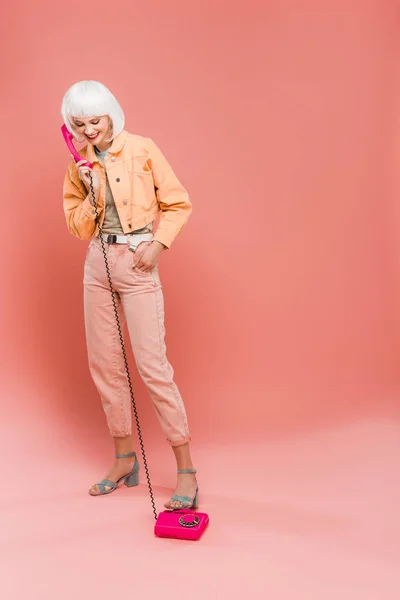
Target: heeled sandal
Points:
(130, 479)
(185, 501)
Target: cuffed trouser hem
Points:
(119, 434)
(180, 442)
(174, 443)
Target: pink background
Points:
(281, 118)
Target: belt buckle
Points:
(111, 238)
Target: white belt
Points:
(134, 239)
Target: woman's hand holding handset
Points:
(83, 173)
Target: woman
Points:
(133, 184)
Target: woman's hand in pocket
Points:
(148, 259)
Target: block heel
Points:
(196, 500)
(133, 478)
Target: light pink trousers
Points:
(140, 305)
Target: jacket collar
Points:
(116, 146)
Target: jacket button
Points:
(113, 158)
(118, 179)
(125, 202)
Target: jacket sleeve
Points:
(172, 197)
(79, 213)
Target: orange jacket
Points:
(143, 185)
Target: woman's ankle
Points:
(123, 445)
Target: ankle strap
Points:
(125, 455)
(187, 471)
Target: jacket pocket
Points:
(143, 191)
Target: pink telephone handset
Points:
(68, 140)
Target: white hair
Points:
(91, 98)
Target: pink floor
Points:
(307, 516)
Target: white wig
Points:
(91, 98)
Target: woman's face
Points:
(93, 129)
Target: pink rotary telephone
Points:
(68, 140)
